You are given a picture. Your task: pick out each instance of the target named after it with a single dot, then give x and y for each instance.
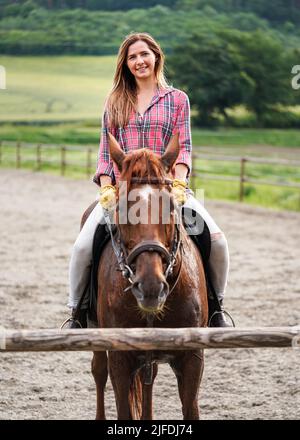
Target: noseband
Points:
(125, 259)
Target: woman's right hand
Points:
(108, 197)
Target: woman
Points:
(142, 110)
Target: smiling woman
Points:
(143, 111)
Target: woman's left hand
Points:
(179, 191)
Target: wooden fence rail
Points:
(117, 339)
(63, 163)
(243, 178)
(39, 159)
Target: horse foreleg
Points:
(189, 369)
(147, 412)
(121, 373)
(100, 373)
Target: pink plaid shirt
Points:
(167, 114)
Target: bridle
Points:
(125, 259)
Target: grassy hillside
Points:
(55, 88)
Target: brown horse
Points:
(162, 282)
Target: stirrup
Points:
(217, 312)
(74, 321)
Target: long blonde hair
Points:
(123, 96)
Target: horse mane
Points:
(142, 164)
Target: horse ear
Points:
(116, 152)
(170, 155)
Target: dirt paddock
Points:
(39, 222)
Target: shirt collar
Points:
(161, 93)
(164, 91)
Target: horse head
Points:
(147, 221)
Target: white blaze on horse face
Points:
(139, 211)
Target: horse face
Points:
(148, 234)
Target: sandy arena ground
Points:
(39, 223)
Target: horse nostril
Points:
(143, 291)
(137, 290)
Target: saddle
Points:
(102, 237)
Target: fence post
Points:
(88, 162)
(38, 157)
(18, 155)
(242, 178)
(63, 161)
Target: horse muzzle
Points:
(150, 296)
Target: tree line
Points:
(277, 11)
(29, 27)
(94, 5)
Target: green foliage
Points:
(208, 67)
(277, 11)
(35, 26)
(221, 70)
(26, 8)
(280, 119)
(102, 5)
(269, 77)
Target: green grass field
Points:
(229, 141)
(59, 100)
(58, 89)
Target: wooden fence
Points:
(90, 161)
(243, 178)
(38, 159)
(148, 339)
